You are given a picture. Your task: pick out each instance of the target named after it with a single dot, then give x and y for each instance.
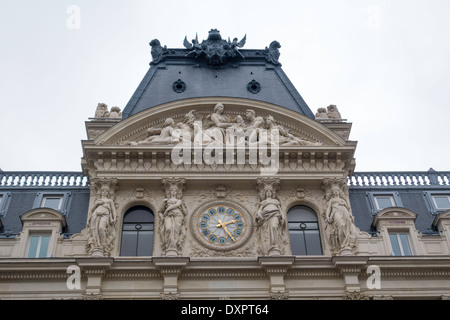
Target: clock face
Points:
(222, 226)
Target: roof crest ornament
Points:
(215, 50)
(273, 53)
(158, 52)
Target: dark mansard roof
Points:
(215, 68)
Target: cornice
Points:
(402, 268)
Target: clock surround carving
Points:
(245, 222)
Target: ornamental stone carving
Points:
(158, 52)
(330, 112)
(215, 50)
(221, 129)
(273, 53)
(270, 219)
(170, 133)
(340, 229)
(102, 112)
(278, 135)
(172, 216)
(101, 224)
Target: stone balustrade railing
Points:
(430, 178)
(42, 179)
(55, 179)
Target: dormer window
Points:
(58, 201)
(4, 200)
(380, 200)
(41, 230)
(437, 201)
(52, 201)
(442, 202)
(384, 201)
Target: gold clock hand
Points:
(228, 232)
(224, 227)
(229, 222)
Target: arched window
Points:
(304, 231)
(137, 232)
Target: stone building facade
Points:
(217, 181)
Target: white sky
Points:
(385, 64)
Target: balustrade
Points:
(38, 179)
(400, 179)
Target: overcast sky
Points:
(385, 64)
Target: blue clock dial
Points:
(222, 225)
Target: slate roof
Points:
(20, 191)
(411, 190)
(200, 77)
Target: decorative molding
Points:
(225, 273)
(170, 296)
(91, 296)
(200, 251)
(279, 295)
(394, 215)
(355, 295)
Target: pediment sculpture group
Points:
(270, 220)
(220, 128)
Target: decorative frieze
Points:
(153, 160)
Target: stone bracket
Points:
(170, 268)
(94, 270)
(276, 268)
(350, 268)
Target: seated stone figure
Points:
(235, 135)
(284, 137)
(216, 125)
(166, 135)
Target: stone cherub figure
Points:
(330, 112)
(322, 113)
(102, 111)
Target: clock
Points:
(221, 225)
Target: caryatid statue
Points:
(270, 218)
(102, 219)
(340, 228)
(172, 216)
